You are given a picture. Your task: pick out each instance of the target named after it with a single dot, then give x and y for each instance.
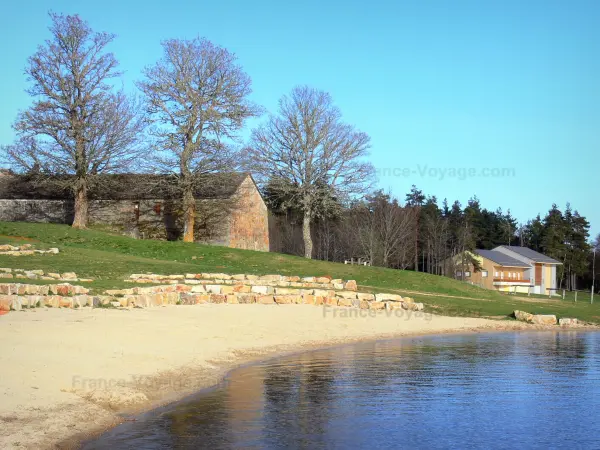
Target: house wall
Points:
(249, 220)
(487, 282)
(549, 280)
(510, 274)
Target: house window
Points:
(459, 274)
(518, 275)
(496, 274)
(484, 273)
(467, 273)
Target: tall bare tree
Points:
(383, 229)
(307, 149)
(77, 125)
(198, 97)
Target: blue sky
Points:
(499, 99)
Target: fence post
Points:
(575, 296)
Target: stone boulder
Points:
(345, 302)
(350, 285)
(523, 316)
(565, 321)
(388, 297)
(265, 300)
(376, 305)
(544, 319)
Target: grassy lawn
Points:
(109, 259)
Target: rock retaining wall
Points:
(41, 275)
(252, 280)
(24, 250)
(16, 296)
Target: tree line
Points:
(194, 103)
(312, 166)
(423, 234)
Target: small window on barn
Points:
(484, 273)
(467, 273)
(157, 208)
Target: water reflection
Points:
(526, 390)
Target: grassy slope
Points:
(109, 259)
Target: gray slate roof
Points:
(501, 258)
(531, 254)
(130, 186)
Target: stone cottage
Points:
(230, 208)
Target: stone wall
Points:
(50, 211)
(25, 250)
(249, 221)
(239, 222)
(41, 275)
(16, 296)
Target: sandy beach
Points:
(67, 374)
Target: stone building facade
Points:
(230, 208)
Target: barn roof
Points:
(121, 186)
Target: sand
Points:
(67, 374)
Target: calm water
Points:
(513, 390)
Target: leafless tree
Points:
(77, 125)
(364, 228)
(308, 149)
(395, 226)
(197, 96)
(383, 228)
(436, 234)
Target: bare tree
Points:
(395, 226)
(383, 229)
(197, 95)
(308, 149)
(76, 125)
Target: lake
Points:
(500, 390)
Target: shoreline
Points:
(88, 410)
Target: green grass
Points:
(109, 259)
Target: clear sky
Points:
(452, 93)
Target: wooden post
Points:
(563, 294)
(575, 296)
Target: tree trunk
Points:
(189, 213)
(417, 241)
(308, 244)
(188, 200)
(80, 220)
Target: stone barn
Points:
(230, 208)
